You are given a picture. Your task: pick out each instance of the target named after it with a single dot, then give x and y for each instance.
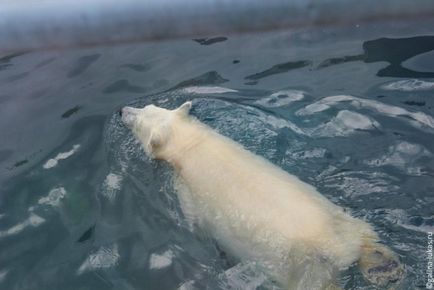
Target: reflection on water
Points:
(137, 67)
(209, 41)
(5, 61)
(71, 112)
(81, 207)
(123, 86)
(341, 60)
(209, 78)
(82, 64)
(395, 52)
(278, 69)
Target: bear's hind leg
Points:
(332, 286)
(379, 265)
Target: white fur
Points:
(255, 210)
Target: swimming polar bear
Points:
(256, 211)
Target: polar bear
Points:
(256, 211)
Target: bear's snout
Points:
(128, 115)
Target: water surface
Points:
(348, 110)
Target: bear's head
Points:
(153, 125)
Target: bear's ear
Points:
(155, 142)
(184, 109)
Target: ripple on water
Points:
(410, 85)
(54, 197)
(244, 276)
(61, 156)
(3, 274)
(403, 155)
(111, 186)
(416, 119)
(345, 123)
(33, 220)
(281, 98)
(273, 134)
(104, 257)
(208, 90)
(402, 218)
(159, 261)
(357, 183)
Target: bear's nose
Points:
(120, 112)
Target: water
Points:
(349, 110)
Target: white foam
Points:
(111, 185)
(164, 260)
(281, 98)
(409, 85)
(345, 123)
(104, 257)
(32, 221)
(61, 156)
(418, 118)
(54, 197)
(208, 90)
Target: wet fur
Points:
(258, 212)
